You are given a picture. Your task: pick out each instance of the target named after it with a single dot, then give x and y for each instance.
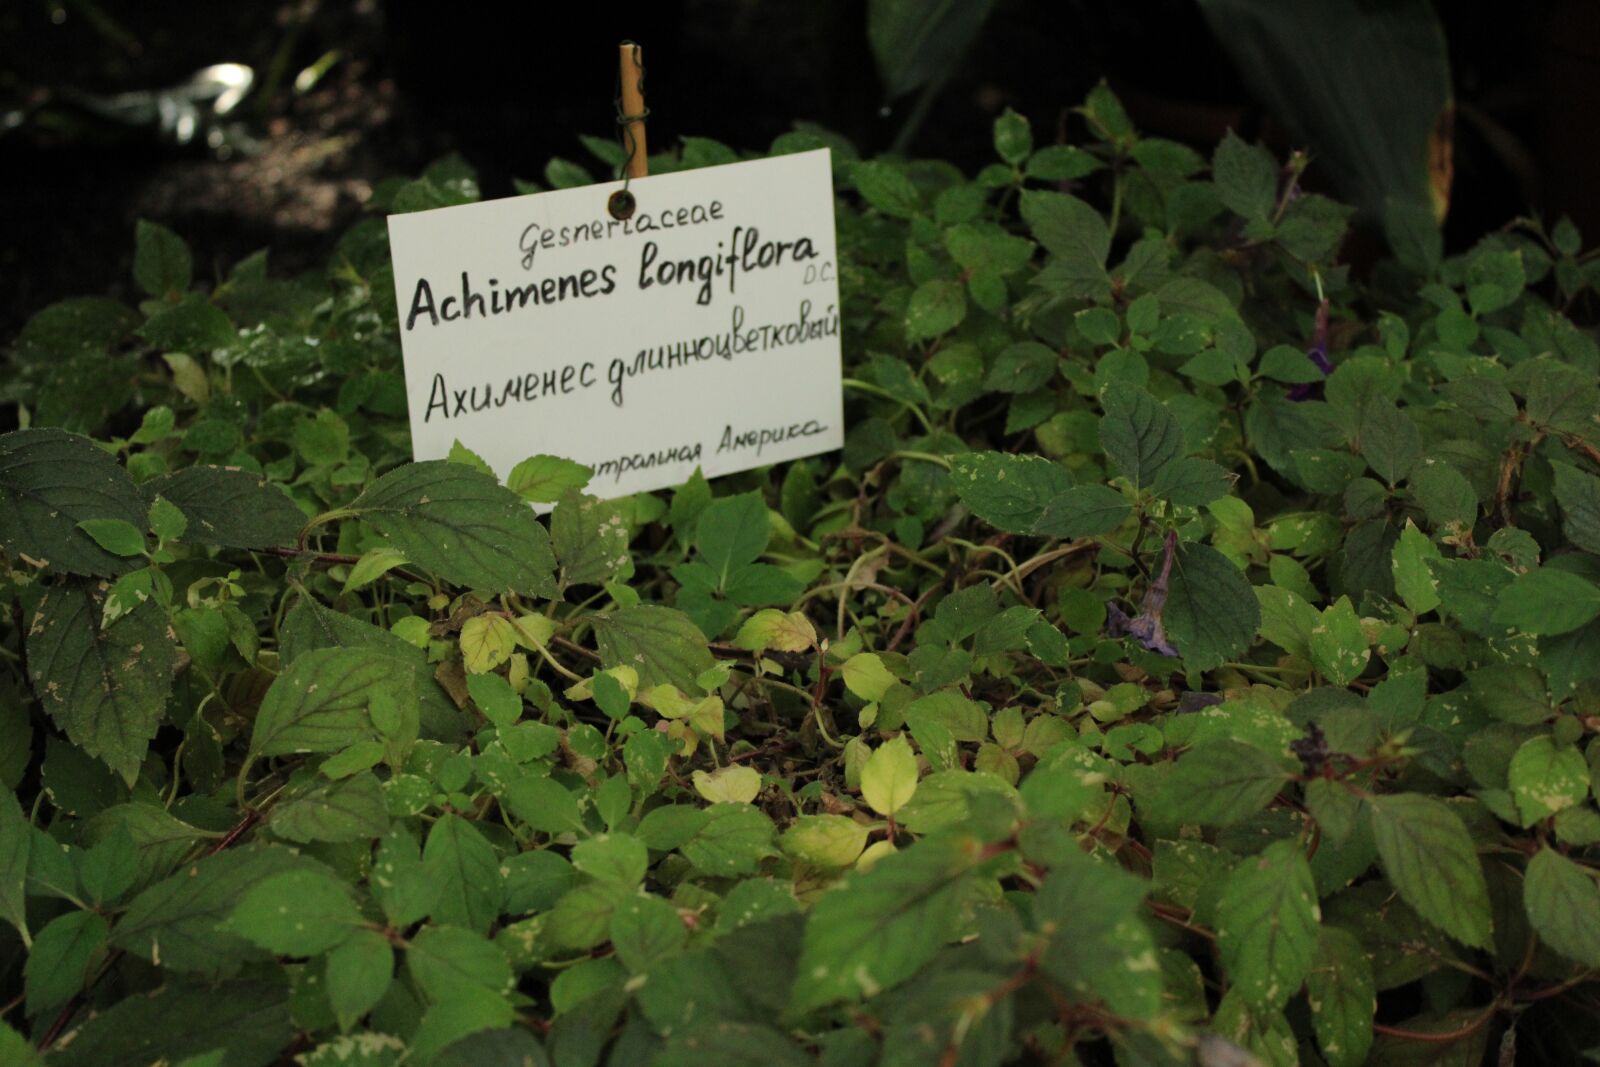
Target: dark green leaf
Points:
(320, 703)
(1211, 614)
(231, 508)
(1563, 904)
(1266, 924)
(660, 643)
(462, 526)
(161, 261)
(1139, 433)
(49, 482)
(248, 1021)
(1430, 860)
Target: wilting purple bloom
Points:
(1317, 354)
(1146, 627)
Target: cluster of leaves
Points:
(1193, 655)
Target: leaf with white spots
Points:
(662, 644)
(1546, 778)
(1267, 924)
(107, 688)
(874, 929)
(1342, 997)
(297, 913)
(1339, 644)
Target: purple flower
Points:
(1146, 627)
(1317, 354)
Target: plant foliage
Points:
(1192, 656)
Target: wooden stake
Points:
(638, 165)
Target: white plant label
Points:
(701, 332)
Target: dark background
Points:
(503, 86)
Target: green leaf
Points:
(889, 778)
(1342, 998)
(865, 675)
(1390, 441)
(50, 481)
(351, 809)
(194, 325)
(1563, 905)
(358, 975)
(733, 840)
(1546, 778)
(16, 840)
(247, 1021)
(62, 958)
(545, 479)
(1267, 921)
(1579, 496)
(1013, 139)
(487, 641)
(1548, 601)
(231, 508)
(1413, 578)
(1077, 237)
(462, 526)
(1021, 368)
(1428, 856)
(1192, 482)
(161, 260)
(442, 959)
(662, 644)
(17, 1050)
(297, 913)
(1138, 433)
(874, 930)
(320, 703)
(646, 930)
(936, 307)
(731, 533)
(107, 688)
(1211, 613)
(885, 187)
(590, 539)
(1217, 783)
(828, 841)
(115, 536)
(1246, 177)
(1339, 644)
(1008, 492)
(544, 804)
(176, 922)
(466, 870)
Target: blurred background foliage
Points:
(1435, 120)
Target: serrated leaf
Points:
(832, 842)
(1546, 778)
(1267, 920)
(62, 958)
(50, 481)
(1563, 904)
(872, 931)
(320, 703)
(175, 923)
(487, 641)
(1218, 783)
(231, 508)
(1429, 858)
(544, 479)
(645, 931)
(1548, 601)
(107, 688)
(1339, 644)
(1579, 496)
(1007, 491)
(733, 839)
(161, 260)
(467, 871)
(1246, 177)
(462, 526)
(590, 539)
(297, 913)
(936, 307)
(358, 975)
(889, 778)
(1413, 578)
(662, 644)
(16, 841)
(1211, 613)
(1342, 998)
(350, 809)
(247, 1021)
(1138, 433)
(442, 959)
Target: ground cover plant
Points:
(1193, 656)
